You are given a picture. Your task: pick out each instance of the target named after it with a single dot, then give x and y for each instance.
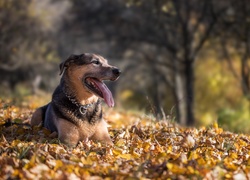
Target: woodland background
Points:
(181, 60)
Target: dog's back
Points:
(39, 116)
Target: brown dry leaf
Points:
(143, 149)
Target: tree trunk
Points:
(245, 86)
(180, 99)
(179, 93)
(189, 88)
(157, 98)
(184, 93)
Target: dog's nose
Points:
(116, 71)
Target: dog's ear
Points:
(66, 63)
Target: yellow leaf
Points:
(15, 142)
(233, 155)
(170, 166)
(201, 161)
(228, 176)
(135, 154)
(229, 165)
(215, 125)
(146, 146)
(117, 151)
(176, 169)
(86, 161)
(125, 156)
(58, 164)
(120, 142)
(193, 155)
(190, 170)
(170, 149)
(162, 155)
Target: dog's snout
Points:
(116, 71)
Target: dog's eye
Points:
(96, 62)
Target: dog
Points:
(75, 111)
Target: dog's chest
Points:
(79, 113)
(86, 130)
(92, 114)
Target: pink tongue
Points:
(107, 95)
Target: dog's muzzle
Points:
(116, 72)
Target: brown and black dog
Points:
(75, 111)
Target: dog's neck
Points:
(75, 90)
(82, 104)
(82, 107)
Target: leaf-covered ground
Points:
(143, 149)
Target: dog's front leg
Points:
(101, 133)
(68, 133)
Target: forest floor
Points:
(143, 149)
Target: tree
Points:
(178, 28)
(235, 41)
(27, 40)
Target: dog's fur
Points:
(75, 111)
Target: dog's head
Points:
(88, 71)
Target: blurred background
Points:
(187, 61)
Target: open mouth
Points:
(97, 87)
